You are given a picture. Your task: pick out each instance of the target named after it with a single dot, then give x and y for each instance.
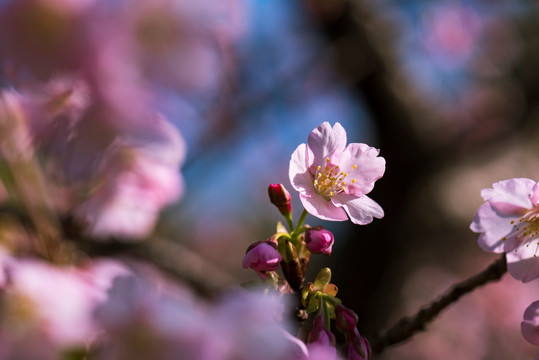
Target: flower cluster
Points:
(332, 180)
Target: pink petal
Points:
(522, 264)
(300, 177)
(534, 197)
(323, 209)
(361, 210)
(513, 191)
(530, 324)
(369, 167)
(507, 209)
(324, 141)
(492, 227)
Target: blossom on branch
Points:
(333, 179)
(509, 222)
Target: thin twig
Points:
(406, 327)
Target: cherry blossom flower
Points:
(509, 222)
(332, 178)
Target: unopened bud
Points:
(280, 197)
(262, 257)
(346, 319)
(319, 240)
(356, 347)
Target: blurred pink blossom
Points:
(138, 178)
(451, 33)
(240, 326)
(509, 222)
(59, 301)
(332, 178)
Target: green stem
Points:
(326, 312)
(289, 222)
(301, 220)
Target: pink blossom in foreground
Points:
(332, 178)
(509, 222)
(55, 303)
(262, 257)
(241, 326)
(530, 324)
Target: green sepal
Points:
(281, 229)
(313, 302)
(287, 250)
(305, 292)
(322, 279)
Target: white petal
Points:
(323, 209)
(325, 140)
(513, 191)
(523, 265)
(300, 176)
(361, 210)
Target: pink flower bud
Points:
(262, 256)
(346, 319)
(319, 240)
(356, 347)
(319, 334)
(280, 197)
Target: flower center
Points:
(527, 227)
(330, 180)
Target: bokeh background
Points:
(448, 91)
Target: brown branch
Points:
(406, 327)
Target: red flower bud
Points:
(280, 197)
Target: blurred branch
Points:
(171, 257)
(406, 327)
